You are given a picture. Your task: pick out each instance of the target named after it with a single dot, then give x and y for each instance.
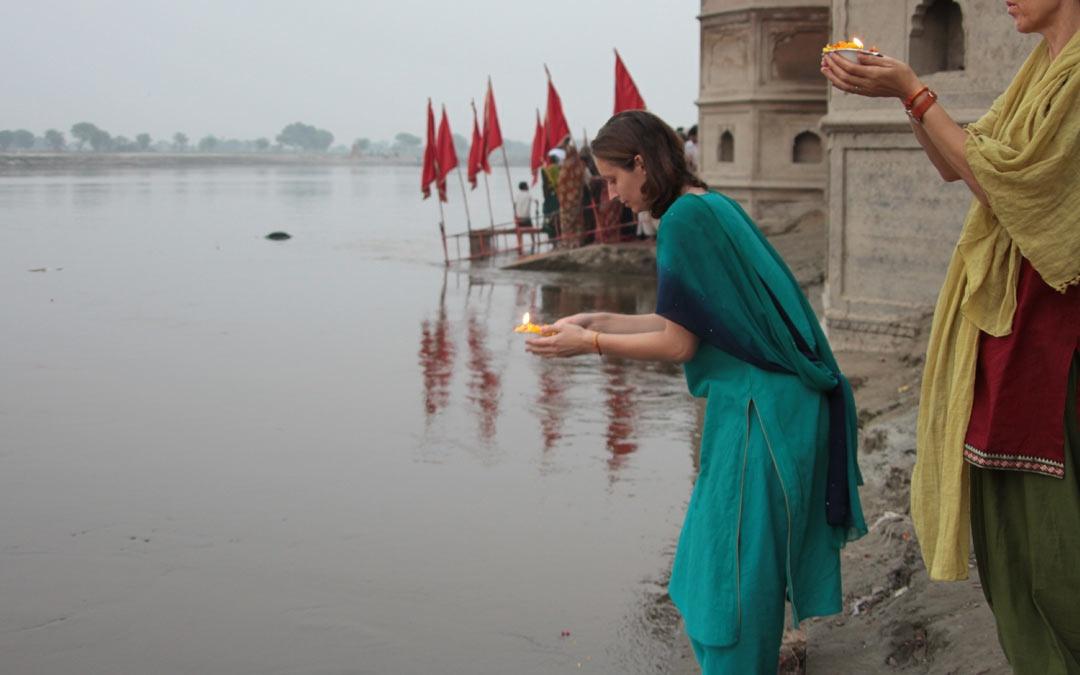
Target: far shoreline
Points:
(31, 162)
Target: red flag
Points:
(538, 148)
(477, 153)
(627, 96)
(555, 125)
(445, 155)
(492, 132)
(429, 172)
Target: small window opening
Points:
(807, 148)
(726, 151)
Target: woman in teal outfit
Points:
(776, 496)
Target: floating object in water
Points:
(278, 236)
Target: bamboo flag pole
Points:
(487, 188)
(442, 230)
(506, 164)
(442, 217)
(465, 199)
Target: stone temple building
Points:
(795, 152)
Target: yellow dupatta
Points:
(1025, 154)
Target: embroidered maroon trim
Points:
(986, 460)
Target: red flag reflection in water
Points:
(436, 362)
(485, 384)
(550, 404)
(621, 411)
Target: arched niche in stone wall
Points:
(937, 40)
(725, 150)
(807, 149)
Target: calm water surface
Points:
(221, 454)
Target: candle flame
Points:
(858, 42)
(525, 319)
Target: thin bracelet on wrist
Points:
(596, 343)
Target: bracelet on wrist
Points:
(910, 100)
(596, 343)
(925, 103)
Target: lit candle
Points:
(527, 326)
(850, 49)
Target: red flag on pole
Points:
(429, 173)
(538, 148)
(555, 125)
(492, 133)
(445, 155)
(477, 153)
(627, 96)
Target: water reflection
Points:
(486, 364)
(551, 404)
(621, 409)
(436, 358)
(484, 383)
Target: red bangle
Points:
(910, 101)
(919, 112)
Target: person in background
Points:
(523, 205)
(571, 185)
(998, 436)
(647, 225)
(691, 149)
(549, 175)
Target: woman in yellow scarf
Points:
(998, 439)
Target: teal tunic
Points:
(773, 394)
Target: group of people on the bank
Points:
(998, 449)
(577, 209)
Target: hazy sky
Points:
(359, 68)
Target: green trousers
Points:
(1026, 532)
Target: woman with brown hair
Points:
(773, 502)
(998, 441)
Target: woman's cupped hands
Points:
(873, 76)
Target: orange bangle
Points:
(596, 342)
(919, 112)
(910, 101)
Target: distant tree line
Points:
(295, 137)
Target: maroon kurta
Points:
(1017, 417)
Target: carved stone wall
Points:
(893, 223)
(760, 84)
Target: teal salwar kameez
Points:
(776, 496)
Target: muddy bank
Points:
(801, 243)
(630, 259)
